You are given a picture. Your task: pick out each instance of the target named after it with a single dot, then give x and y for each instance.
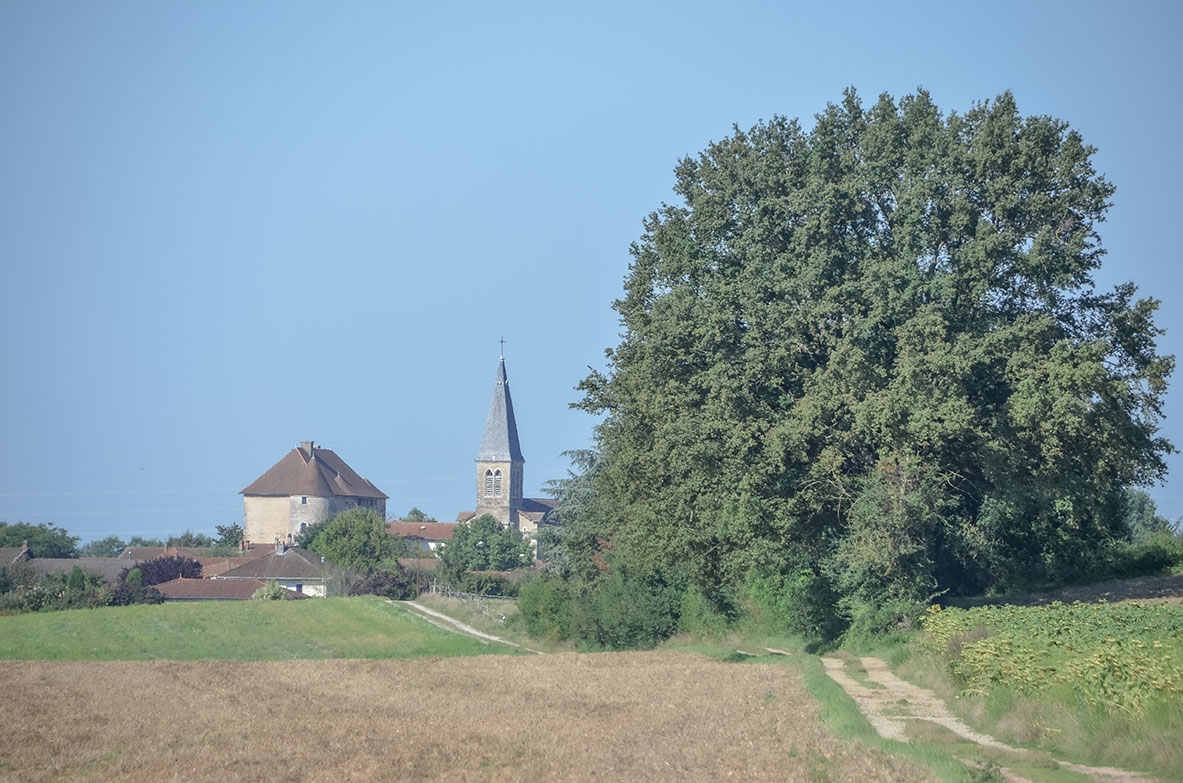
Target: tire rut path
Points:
(889, 703)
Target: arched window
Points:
(497, 483)
(488, 483)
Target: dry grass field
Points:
(612, 716)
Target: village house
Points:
(295, 569)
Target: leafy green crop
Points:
(1110, 656)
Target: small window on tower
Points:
(304, 501)
(497, 483)
(488, 483)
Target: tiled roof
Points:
(533, 509)
(10, 554)
(212, 589)
(108, 568)
(291, 564)
(311, 470)
(429, 531)
(500, 442)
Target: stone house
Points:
(309, 485)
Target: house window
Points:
(488, 483)
(304, 501)
(497, 483)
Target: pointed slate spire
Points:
(500, 443)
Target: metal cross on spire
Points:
(502, 341)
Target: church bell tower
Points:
(500, 463)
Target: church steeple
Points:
(499, 464)
(500, 442)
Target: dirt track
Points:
(889, 703)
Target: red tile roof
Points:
(214, 589)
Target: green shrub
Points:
(127, 594)
(272, 591)
(799, 602)
(629, 610)
(544, 604)
(699, 616)
(396, 585)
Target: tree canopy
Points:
(483, 544)
(44, 540)
(868, 363)
(356, 539)
(110, 546)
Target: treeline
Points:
(46, 540)
(355, 545)
(23, 589)
(862, 367)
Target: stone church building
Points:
(499, 469)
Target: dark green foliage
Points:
(396, 585)
(630, 610)
(415, 515)
(127, 594)
(163, 569)
(189, 540)
(111, 546)
(545, 605)
(141, 542)
(306, 536)
(482, 544)
(355, 539)
(1142, 519)
(624, 609)
(229, 535)
(44, 540)
(76, 581)
(135, 578)
(864, 365)
(27, 592)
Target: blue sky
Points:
(228, 227)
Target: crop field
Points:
(1098, 682)
(660, 716)
(1110, 656)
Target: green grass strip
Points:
(361, 627)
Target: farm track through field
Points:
(441, 620)
(889, 703)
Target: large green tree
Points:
(867, 363)
(357, 539)
(483, 544)
(44, 540)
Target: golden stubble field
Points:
(611, 716)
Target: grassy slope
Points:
(244, 631)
